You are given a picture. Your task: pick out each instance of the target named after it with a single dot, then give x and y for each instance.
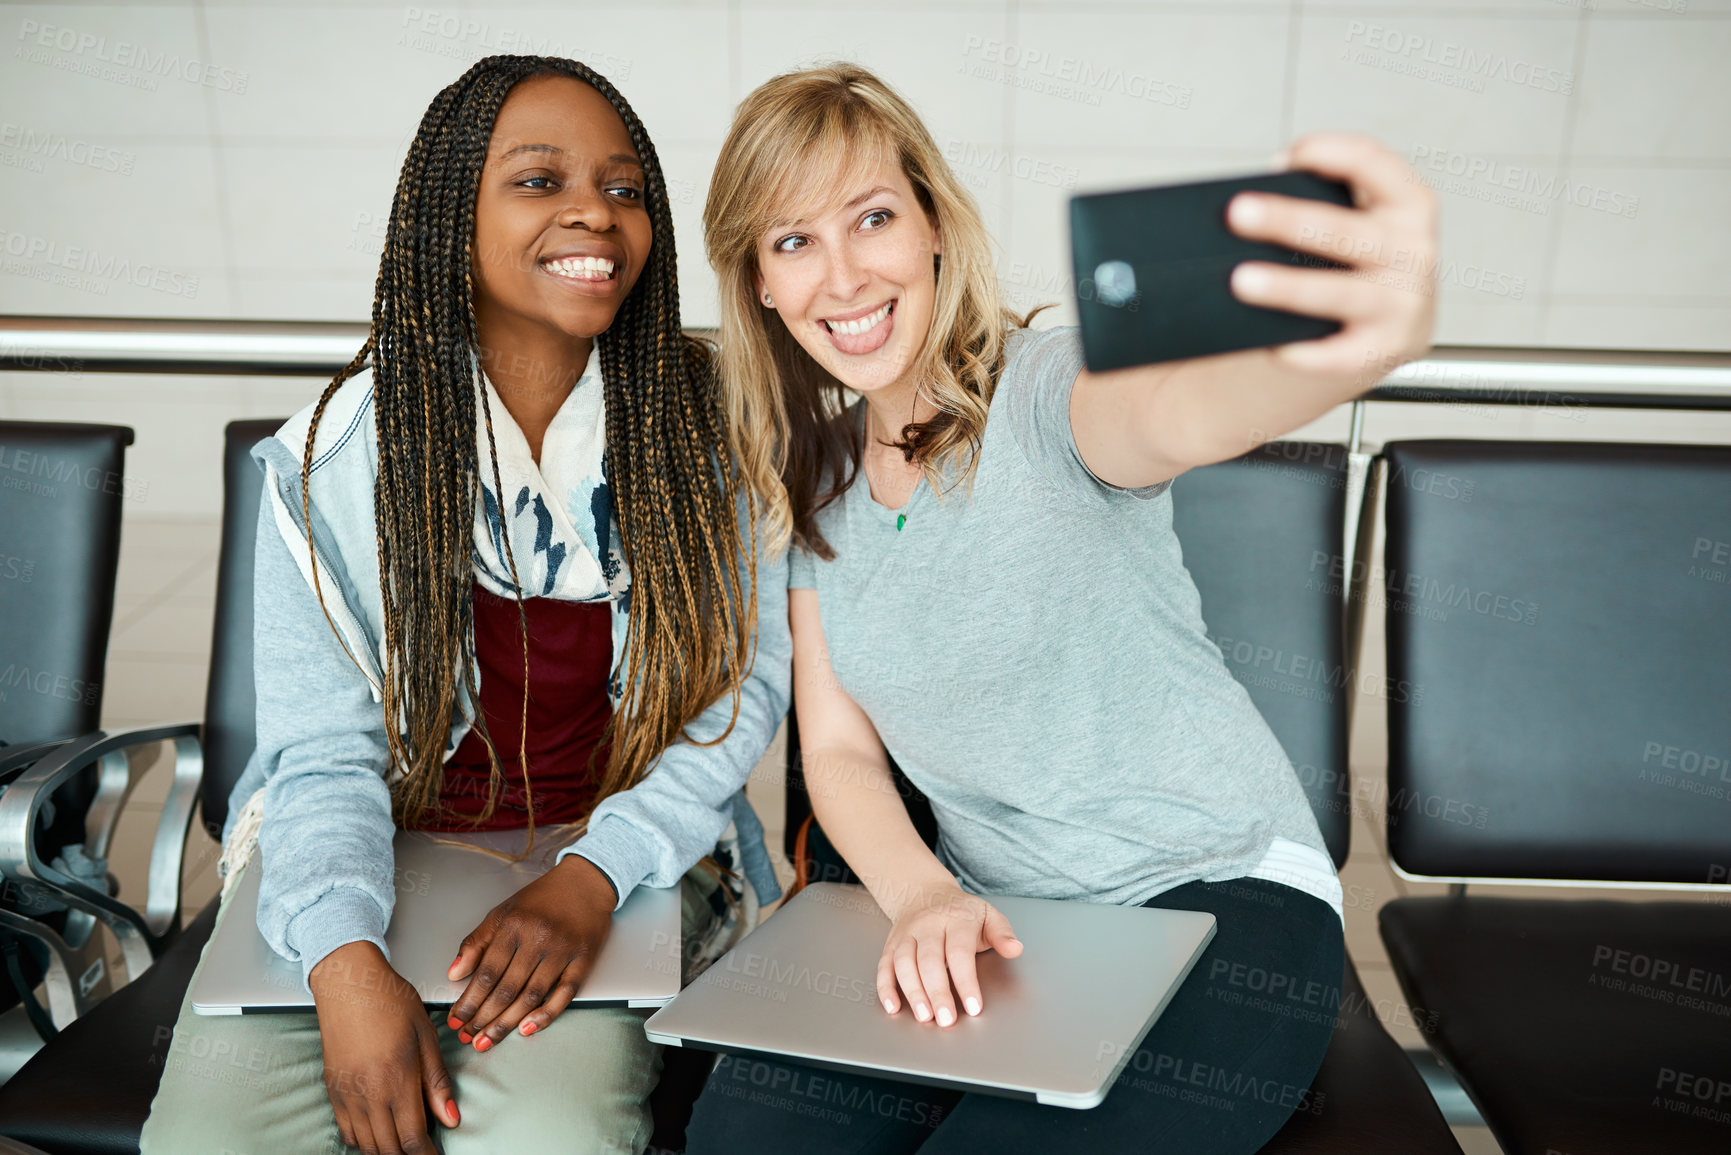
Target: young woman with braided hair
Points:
(504, 571)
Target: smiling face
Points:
(561, 229)
(855, 283)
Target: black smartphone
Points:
(1152, 269)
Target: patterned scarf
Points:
(561, 527)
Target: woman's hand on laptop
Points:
(934, 936)
(531, 953)
(381, 1052)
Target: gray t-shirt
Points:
(1035, 661)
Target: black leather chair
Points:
(90, 1089)
(61, 491)
(1265, 539)
(1566, 612)
(61, 487)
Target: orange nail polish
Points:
(455, 1117)
(454, 1023)
(482, 1043)
(529, 1028)
(465, 1037)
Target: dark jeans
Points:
(1223, 1068)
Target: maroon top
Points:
(570, 658)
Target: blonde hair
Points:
(784, 411)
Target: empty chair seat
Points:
(1563, 612)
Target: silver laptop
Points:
(443, 892)
(1060, 1021)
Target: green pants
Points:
(254, 1084)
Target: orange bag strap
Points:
(800, 857)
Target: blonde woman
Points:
(985, 585)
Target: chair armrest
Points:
(16, 759)
(141, 936)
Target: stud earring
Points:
(767, 301)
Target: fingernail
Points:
(1246, 210)
(455, 1118)
(454, 963)
(972, 1004)
(465, 1037)
(921, 1012)
(945, 1016)
(483, 1043)
(529, 1028)
(889, 1006)
(454, 1023)
(1250, 279)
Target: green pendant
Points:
(901, 520)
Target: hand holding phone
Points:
(1153, 269)
(1345, 253)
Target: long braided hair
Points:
(689, 624)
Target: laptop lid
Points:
(443, 892)
(1059, 1024)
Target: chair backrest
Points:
(1563, 611)
(1263, 539)
(61, 488)
(230, 705)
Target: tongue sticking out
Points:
(856, 344)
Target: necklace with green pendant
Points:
(902, 517)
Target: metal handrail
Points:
(118, 345)
(1562, 378)
(1472, 374)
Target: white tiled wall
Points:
(1589, 206)
(264, 181)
